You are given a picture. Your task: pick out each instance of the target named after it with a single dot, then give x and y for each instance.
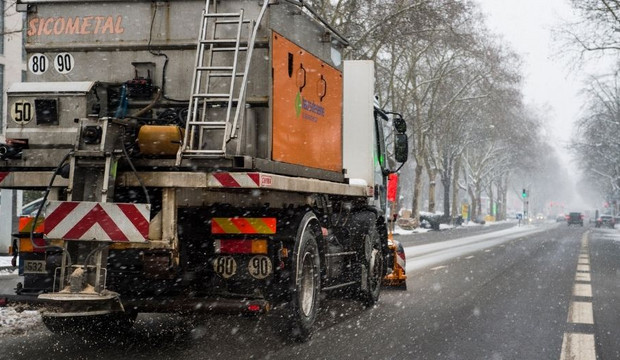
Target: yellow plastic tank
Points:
(159, 140)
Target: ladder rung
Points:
(223, 49)
(223, 15)
(209, 124)
(219, 96)
(214, 68)
(196, 153)
(218, 41)
(225, 74)
(245, 21)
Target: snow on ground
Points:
(399, 231)
(422, 256)
(4, 262)
(13, 322)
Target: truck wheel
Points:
(304, 301)
(374, 263)
(90, 325)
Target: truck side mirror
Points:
(400, 125)
(401, 147)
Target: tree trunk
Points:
(472, 206)
(417, 187)
(455, 187)
(504, 197)
(432, 186)
(445, 182)
(478, 194)
(491, 200)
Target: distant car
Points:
(560, 218)
(606, 220)
(540, 217)
(31, 208)
(574, 218)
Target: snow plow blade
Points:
(397, 277)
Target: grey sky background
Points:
(549, 84)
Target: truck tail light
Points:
(233, 246)
(254, 308)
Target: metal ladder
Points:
(199, 126)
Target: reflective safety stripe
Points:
(97, 221)
(243, 225)
(25, 245)
(240, 246)
(234, 180)
(26, 223)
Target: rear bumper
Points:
(176, 305)
(200, 305)
(25, 302)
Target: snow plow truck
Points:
(196, 156)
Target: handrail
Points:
(244, 81)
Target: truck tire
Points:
(373, 263)
(93, 325)
(305, 282)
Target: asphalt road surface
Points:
(544, 292)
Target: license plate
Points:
(34, 267)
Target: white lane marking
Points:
(470, 257)
(585, 268)
(439, 267)
(583, 262)
(580, 312)
(578, 347)
(583, 277)
(584, 290)
(487, 250)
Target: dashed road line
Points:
(582, 290)
(438, 267)
(580, 345)
(585, 277)
(580, 312)
(470, 257)
(584, 268)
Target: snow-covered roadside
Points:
(5, 261)
(422, 256)
(399, 231)
(18, 323)
(13, 322)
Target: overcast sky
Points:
(526, 26)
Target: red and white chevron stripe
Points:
(71, 220)
(235, 180)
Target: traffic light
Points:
(524, 194)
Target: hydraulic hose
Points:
(38, 214)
